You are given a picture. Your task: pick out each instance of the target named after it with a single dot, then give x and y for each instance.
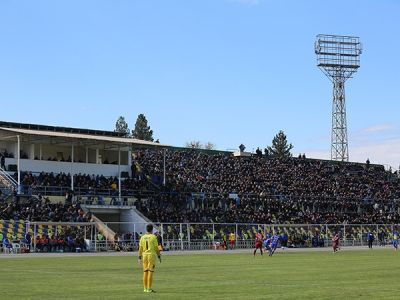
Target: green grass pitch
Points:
(287, 275)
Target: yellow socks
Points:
(146, 279)
(150, 280)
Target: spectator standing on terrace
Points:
(159, 241)
(100, 237)
(133, 170)
(38, 243)
(60, 243)
(258, 152)
(71, 243)
(370, 239)
(3, 162)
(232, 240)
(28, 240)
(7, 244)
(382, 238)
(117, 242)
(16, 198)
(68, 197)
(113, 187)
(113, 193)
(53, 243)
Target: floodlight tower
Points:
(339, 58)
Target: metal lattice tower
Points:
(339, 58)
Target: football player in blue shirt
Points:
(274, 244)
(267, 243)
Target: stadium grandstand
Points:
(64, 189)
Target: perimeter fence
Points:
(124, 236)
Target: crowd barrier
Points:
(77, 237)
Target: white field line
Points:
(199, 252)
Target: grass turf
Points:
(287, 275)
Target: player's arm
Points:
(155, 247)
(140, 254)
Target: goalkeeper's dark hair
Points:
(149, 228)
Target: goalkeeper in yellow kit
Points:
(148, 251)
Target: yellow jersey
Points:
(148, 245)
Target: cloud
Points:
(320, 154)
(378, 128)
(378, 132)
(380, 143)
(385, 152)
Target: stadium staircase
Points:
(7, 184)
(133, 220)
(103, 229)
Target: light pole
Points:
(339, 58)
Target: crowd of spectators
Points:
(267, 190)
(222, 174)
(42, 210)
(224, 189)
(259, 210)
(220, 188)
(31, 181)
(70, 240)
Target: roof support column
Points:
(165, 152)
(119, 175)
(18, 163)
(130, 157)
(72, 167)
(97, 156)
(32, 151)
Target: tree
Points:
(280, 147)
(194, 145)
(199, 145)
(142, 131)
(209, 146)
(122, 127)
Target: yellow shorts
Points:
(149, 263)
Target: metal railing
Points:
(7, 179)
(81, 191)
(195, 197)
(71, 237)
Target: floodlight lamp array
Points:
(338, 56)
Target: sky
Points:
(220, 71)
